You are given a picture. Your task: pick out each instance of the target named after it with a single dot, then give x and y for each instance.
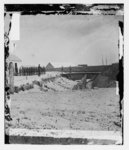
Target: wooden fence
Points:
(28, 71)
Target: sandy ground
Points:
(96, 109)
(19, 80)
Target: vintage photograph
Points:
(64, 73)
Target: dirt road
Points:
(96, 109)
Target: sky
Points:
(66, 40)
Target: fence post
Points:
(70, 70)
(39, 70)
(11, 77)
(16, 69)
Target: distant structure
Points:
(13, 61)
(13, 70)
(102, 61)
(14, 58)
(49, 66)
(82, 65)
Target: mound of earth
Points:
(102, 81)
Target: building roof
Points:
(14, 58)
(49, 66)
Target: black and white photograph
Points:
(64, 74)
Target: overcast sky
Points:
(66, 40)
